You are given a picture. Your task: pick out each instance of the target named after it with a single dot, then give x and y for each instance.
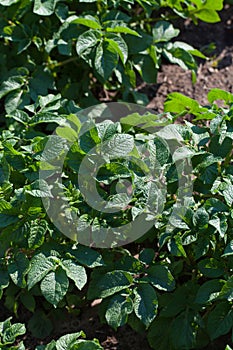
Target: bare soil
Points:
(216, 72)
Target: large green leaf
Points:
(106, 59)
(86, 41)
(118, 310)
(119, 45)
(44, 7)
(184, 326)
(11, 84)
(145, 303)
(13, 331)
(161, 278)
(87, 256)
(37, 233)
(220, 320)
(75, 272)
(88, 21)
(18, 268)
(40, 325)
(211, 267)
(41, 265)
(118, 146)
(208, 15)
(68, 341)
(159, 333)
(209, 291)
(122, 30)
(109, 284)
(54, 286)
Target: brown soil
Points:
(216, 72)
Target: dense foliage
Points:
(181, 279)
(83, 49)
(173, 281)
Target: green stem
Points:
(71, 59)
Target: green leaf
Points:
(88, 345)
(164, 31)
(109, 284)
(220, 320)
(228, 194)
(88, 21)
(209, 291)
(208, 15)
(87, 256)
(229, 249)
(86, 41)
(106, 59)
(68, 341)
(120, 145)
(118, 310)
(214, 205)
(75, 272)
(145, 303)
(28, 300)
(146, 67)
(16, 99)
(178, 55)
(39, 188)
(161, 278)
(200, 218)
(4, 205)
(4, 279)
(123, 30)
(227, 290)
(18, 268)
(112, 171)
(41, 265)
(183, 331)
(211, 267)
(54, 286)
(147, 255)
(40, 325)
(219, 222)
(37, 234)
(178, 103)
(20, 116)
(44, 7)
(218, 94)
(107, 129)
(67, 133)
(11, 84)
(89, 137)
(15, 330)
(8, 2)
(47, 117)
(6, 220)
(119, 45)
(159, 333)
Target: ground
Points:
(217, 72)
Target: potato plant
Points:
(175, 281)
(170, 181)
(83, 49)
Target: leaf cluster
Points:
(178, 275)
(83, 48)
